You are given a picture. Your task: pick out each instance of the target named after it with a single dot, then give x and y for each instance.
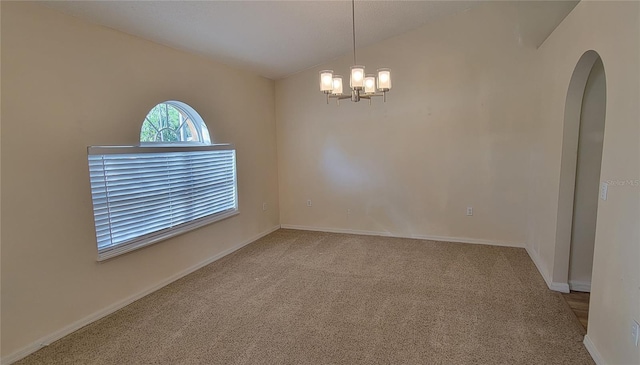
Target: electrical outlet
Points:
(348, 211)
(469, 210)
(264, 206)
(309, 203)
(635, 332)
(604, 187)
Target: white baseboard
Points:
(555, 286)
(559, 287)
(583, 286)
(595, 354)
(46, 340)
(391, 234)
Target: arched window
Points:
(174, 121)
(174, 182)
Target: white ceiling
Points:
(279, 38)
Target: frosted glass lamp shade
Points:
(337, 85)
(357, 77)
(370, 84)
(326, 81)
(384, 79)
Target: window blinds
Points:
(142, 195)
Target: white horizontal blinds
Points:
(137, 196)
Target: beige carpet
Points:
(298, 297)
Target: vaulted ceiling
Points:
(279, 38)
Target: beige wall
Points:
(454, 133)
(66, 85)
(585, 205)
(612, 30)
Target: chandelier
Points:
(363, 86)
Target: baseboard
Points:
(582, 286)
(560, 287)
(46, 340)
(555, 286)
(597, 358)
(390, 234)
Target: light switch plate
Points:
(604, 187)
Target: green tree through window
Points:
(173, 121)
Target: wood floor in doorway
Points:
(579, 303)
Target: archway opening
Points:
(583, 136)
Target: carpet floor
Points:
(296, 297)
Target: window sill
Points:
(111, 252)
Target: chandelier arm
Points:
(383, 94)
(340, 97)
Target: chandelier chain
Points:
(353, 22)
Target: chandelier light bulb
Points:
(326, 80)
(384, 79)
(357, 77)
(370, 84)
(337, 85)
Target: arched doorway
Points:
(583, 135)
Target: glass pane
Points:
(161, 124)
(168, 122)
